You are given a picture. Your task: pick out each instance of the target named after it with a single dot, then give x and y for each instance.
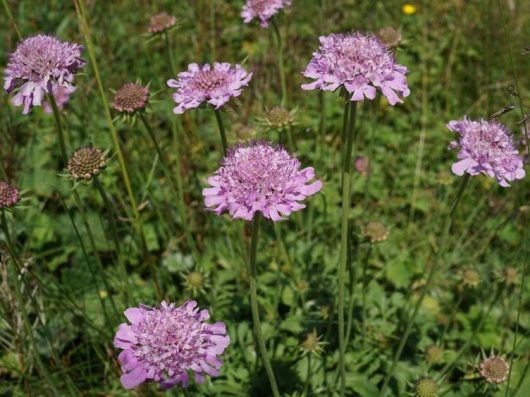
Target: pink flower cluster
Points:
(361, 64)
(263, 10)
(214, 84)
(41, 65)
(260, 177)
(486, 147)
(165, 344)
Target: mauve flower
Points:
(359, 63)
(206, 83)
(263, 10)
(259, 177)
(165, 344)
(9, 195)
(39, 65)
(61, 95)
(486, 147)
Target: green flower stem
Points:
(307, 388)
(169, 51)
(281, 66)
(11, 19)
(221, 130)
(426, 287)
(176, 190)
(344, 240)
(59, 128)
(252, 274)
(21, 304)
(81, 15)
(115, 238)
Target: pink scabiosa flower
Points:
(263, 10)
(165, 344)
(39, 65)
(486, 147)
(259, 178)
(214, 84)
(9, 195)
(362, 64)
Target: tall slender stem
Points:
(59, 128)
(115, 238)
(11, 19)
(169, 52)
(426, 287)
(221, 130)
(176, 190)
(81, 14)
(344, 241)
(252, 272)
(281, 65)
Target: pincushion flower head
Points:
(259, 177)
(161, 22)
(168, 343)
(263, 10)
(214, 84)
(361, 64)
(9, 195)
(486, 147)
(130, 98)
(40, 65)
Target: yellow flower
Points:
(409, 9)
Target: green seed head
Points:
(426, 387)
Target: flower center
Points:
(167, 342)
(208, 80)
(259, 5)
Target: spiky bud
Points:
(494, 369)
(279, 118)
(426, 387)
(470, 278)
(195, 280)
(510, 276)
(434, 355)
(311, 344)
(86, 163)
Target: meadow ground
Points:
(429, 289)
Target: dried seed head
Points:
(161, 22)
(9, 195)
(470, 278)
(390, 36)
(494, 369)
(278, 117)
(426, 387)
(130, 98)
(86, 163)
(375, 231)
